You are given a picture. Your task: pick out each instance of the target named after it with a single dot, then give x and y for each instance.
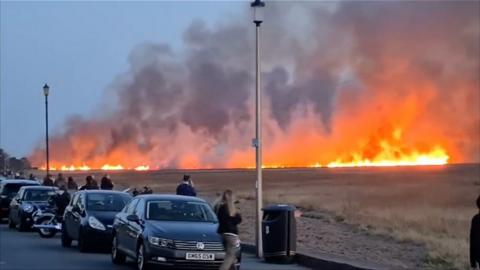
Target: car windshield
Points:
(173, 210)
(37, 194)
(106, 201)
(12, 189)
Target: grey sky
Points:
(78, 48)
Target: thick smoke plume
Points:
(338, 79)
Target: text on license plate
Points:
(200, 256)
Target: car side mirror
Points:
(133, 218)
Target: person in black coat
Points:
(71, 184)
(90, 184)
(48, 181)
(106, 183)
(228, 220)
(61, 200)
(475, 239)
(186, 187)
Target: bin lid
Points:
(279, 207)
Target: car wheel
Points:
(46, 233)
(66, 240)
(82, 243)
(11, 225)
(141, 261)
(117, 256)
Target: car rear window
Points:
(106, 201)
(173, 210)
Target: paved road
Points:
(26, 250)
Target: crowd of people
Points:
(70, 184)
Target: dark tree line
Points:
(13, 164)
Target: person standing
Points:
(71, 184)
(475, 239)
(47, 181)
(60, 181)
(89, 184)
(185, 188)
(106, 183)
(228, 220)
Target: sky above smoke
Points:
(338, 80)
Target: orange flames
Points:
(106, 167)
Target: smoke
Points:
(337, 78)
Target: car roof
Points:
(170, 197)
(90, 191)
(40, 187)
(19, 181)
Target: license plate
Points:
(200, 256)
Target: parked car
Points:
(25, 203)
(8, 189)
(168, 230)
(88, 218)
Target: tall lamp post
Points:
(257, 7)
(46, 89)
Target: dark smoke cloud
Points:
(330, 57)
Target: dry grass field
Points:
(405, 217)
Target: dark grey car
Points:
(168, 230)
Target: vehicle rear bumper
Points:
(177, 258)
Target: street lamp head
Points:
(257, 6)
(46, 89)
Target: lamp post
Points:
(46, 89)
(257, 7)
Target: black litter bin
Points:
(279, 233)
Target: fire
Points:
(108, 167)
(74, 168)
(142, 168)
(437, 156)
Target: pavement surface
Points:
(27, 250)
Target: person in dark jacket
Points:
(475, 239)
(61, 200)
(106, 183)
(186, 188)
(228, 220)
(48, 181)
(60, 181)
(71, 184)
(89, 184)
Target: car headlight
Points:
(27, 208)
(161, 242)
(96, 224)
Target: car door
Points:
(77, 215)
(131, 230)
(68, 215)
(121, 227)
(15, 206)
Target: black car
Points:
(88, 218)
(8, 190)
(28, 200)
(168, 230)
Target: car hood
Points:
(185, 231)
(106, 217)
